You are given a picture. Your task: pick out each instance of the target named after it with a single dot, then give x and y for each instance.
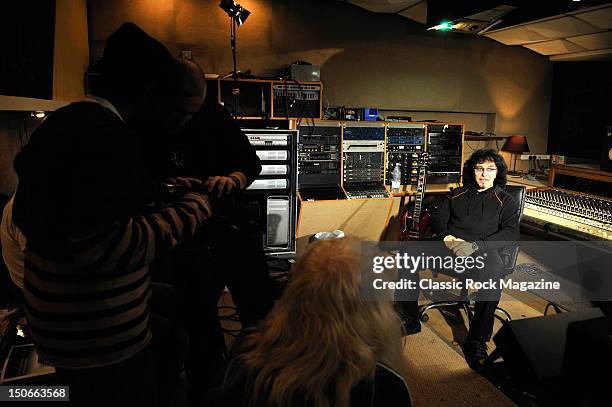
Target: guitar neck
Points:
(421, 184)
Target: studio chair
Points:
(509, 255)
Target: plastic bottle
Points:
(396, 180)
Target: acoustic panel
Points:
(601, 17)
(554, 47)
(567, 26)
(516, 36)
(593, 41)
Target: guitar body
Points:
(410, 232)
(416, 219)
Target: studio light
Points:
(235, 11)
(238, 16)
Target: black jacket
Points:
(482, 217)
(210, 144)
(385, 389)
(81, 168)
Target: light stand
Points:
(234, 73)
(238, 16)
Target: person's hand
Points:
(451, 241)
(221, 183)
(463, 248)
(189, 182)
(203, 199)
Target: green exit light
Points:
(445, 25)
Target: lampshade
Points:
(516, 145)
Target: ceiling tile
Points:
(384, 6)
(515, 36)
(599, 55)
(554, 47)
(601, 18)
(567, 26)
(418, 12)
(593, 41)
(492, 14)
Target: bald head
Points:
(182, 95)
(188, 79)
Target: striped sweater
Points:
(93, 310)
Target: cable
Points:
(300, 97)
(305, 108)
(285, 98)
(468, 144)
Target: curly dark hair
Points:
(479, 157)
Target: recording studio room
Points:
(306, 203)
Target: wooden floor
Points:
(441, 375)
(442, 378)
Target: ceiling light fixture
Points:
(443, 26)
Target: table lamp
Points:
(515, 145)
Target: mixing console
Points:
(569, 213)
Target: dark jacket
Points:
(482, 217)
(80, 169)
(82, 189)
(210, 144)
(385, 389)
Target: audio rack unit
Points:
(445, 148)
(273, 192)
(405, 143)
(319, 160)
(363, 156)
(301, 100)
(268, 99)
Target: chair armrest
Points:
(509, 255)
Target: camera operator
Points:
(212, 150)
(80, 203)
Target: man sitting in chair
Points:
(479, 218)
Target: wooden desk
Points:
(368, 219)
(530, 184)
(410, 190)
(364, 219)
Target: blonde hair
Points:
(321, 338)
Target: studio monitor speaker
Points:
(533, 348)
(588, 353)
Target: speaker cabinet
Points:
(533, 347)
(588, 352)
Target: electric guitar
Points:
(415, 222)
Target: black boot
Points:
(408, 312)
(410, 325)
(475, 352)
